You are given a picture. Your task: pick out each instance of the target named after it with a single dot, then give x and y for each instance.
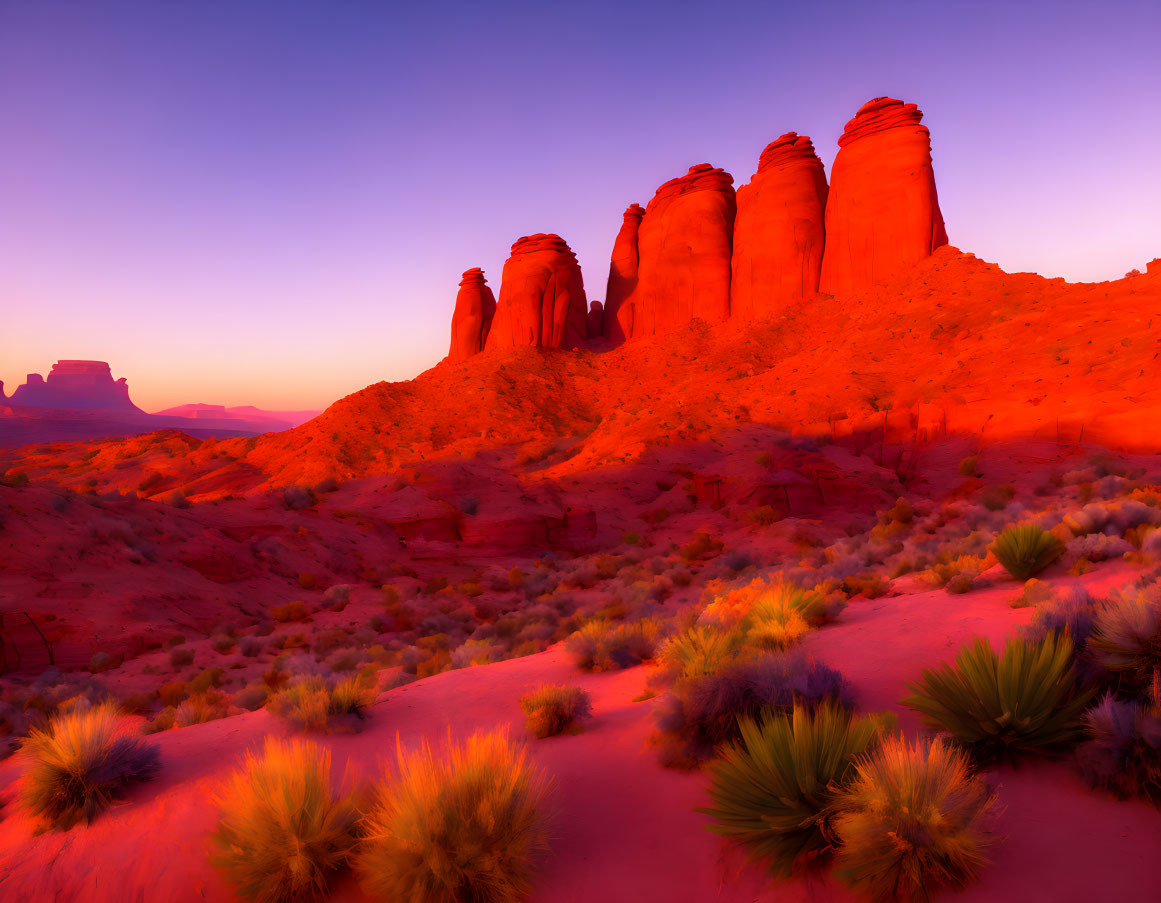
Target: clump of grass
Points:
(914, 819)
(1126, 638)
(76, 766)
(700, 651)
(552, 709)
(464, 828)
(313, 704)
(1123, 752)
(999, 706)
(209, 705)
(282, 830)
(1026, 550)
(774, 790)
(602, 645)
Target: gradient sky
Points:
(270, 202)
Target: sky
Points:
(271, 202)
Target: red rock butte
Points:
(542, 297)
(684, 247)
(779, 231)
(882, 214)
(472, 320)
(75, 385)
(623, 269)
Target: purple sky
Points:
(271, 203)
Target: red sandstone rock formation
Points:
(76, 385)
(882, 215)
(619, 305)
(778, 235)
(542, 297)
(684, 246)
(596, 319)
(475, 307)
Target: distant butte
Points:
(77, 386)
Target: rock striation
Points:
(542, 297)
(779, 230)
(472, 320)
(623, 268)
(76, 386)
(882, 214)
(684, 245)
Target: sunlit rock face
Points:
(882, 213)
(78, 386)
(779, 231)
(542, 297)
(623, 271)
(684, 245)
(472, 320)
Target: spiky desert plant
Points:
(552, 709)
(1026, 700)
(282, 829)
(913, 820)
(1126, 638)
(700, 651)
(1123, 752)
(77, 765)
(774, 790)
(463, 828)
(314, 704)
(1025, 550)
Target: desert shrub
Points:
(282, 830)
(1126, 638)
(774, 790)
(867, 585)
(968, 466)
(941, 573)
(464, 828)
(1033, 592)
(1073, 613)
(764, 515)
(1123, 752)
(308, 581)
(251, 646)
(1096, 547)
(298, 497)
(913, 819)
(701, 547)
(291, 611)
(1026, 550)
(101, 662)
(551, 709)
(252, 696)
(180, 658)
(700, 651)
(1026, 700)
(172, 693)
(222, 643)
(208, 705)
(314, 704)
(996, 498)
(702, 710)
(208, 677)
(603, 646)
(337, 597)
(76, 766)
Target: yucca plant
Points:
(1026, 550)
(1126, 638)
(774, 790)
(553, 709)
(913, 820)
(1024, 701)
(283, 831)
(464, 828)
(76, 766)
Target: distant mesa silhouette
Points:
(542, 297)
(882, 214)
(472, 320)
(779, 232)
(76, 386)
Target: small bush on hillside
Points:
(701, 712)
(1073, 613)
(1126, 638)
(180, 658)
(297, 498)
(80, 763)
(1123, 752)
(1034, 592)
(603, 646)
(701, 547)
(700, 651)
(463, 828)
(774, 790)
(914, 819)
(550, 710)
(207, 678)
(282, 830)
(1026, 550)
(208, 705)
(999, 706)
(291, 611)
(996, 498)
(313, 704)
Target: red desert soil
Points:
(624, 828)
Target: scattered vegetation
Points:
(1026, 550)
(553, 709)
(1123, 752)
(1126, 638)
(602, 645)
(314, 704)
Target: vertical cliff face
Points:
(623, 272)
(882, 214)
(779, 234)
(472, 320)
(684, 246)
(542, 297)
